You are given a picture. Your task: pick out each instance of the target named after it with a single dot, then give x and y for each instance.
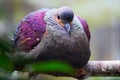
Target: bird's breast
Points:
(58, 44)
(60, 40)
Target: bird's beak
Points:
(67, 27)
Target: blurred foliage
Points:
(104, 78)
(5, 44)
(6, 65)
(51, 67)
(9, 61)
(5, 61)
(2, 13)
(4, 76)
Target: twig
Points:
(100, 69)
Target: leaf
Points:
(5, 45)
(5, 48)
(50, 66)
(5, 63)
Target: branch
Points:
(96, 69)
(100, 68)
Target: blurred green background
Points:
(102, 16)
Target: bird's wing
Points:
(85, 27)
(29, 31)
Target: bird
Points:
(54, 34)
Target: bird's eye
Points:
(58, 16)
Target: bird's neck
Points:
(54, 25)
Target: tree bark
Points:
(96, 69)
(100, 69)
(93, 69)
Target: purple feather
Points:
(85, 27)
(30, 31)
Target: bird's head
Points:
(64, 17)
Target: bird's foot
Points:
(81, 74)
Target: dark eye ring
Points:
(58, 16)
